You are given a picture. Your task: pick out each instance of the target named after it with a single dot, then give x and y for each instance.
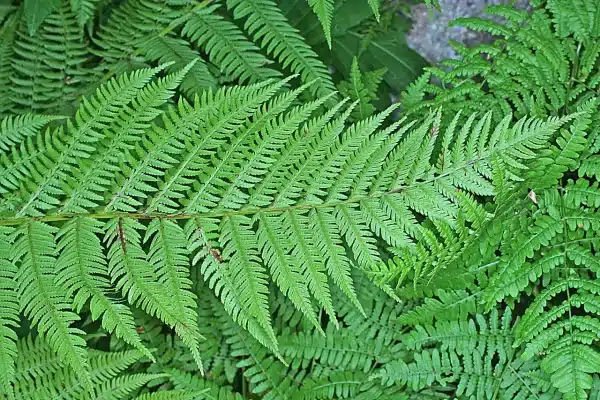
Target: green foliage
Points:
(189, 210)
(537, 254)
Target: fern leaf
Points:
(49, 67)
(186, 381)
(7, 38)
(324, 11)
(337, 347)
(170, 395)
(570, 368)
(165, 48)
(41, 301)
(13, 130)
(83, 272)
(298, 228)
(241, 251)
(9, 317)
(219, 276)
(225, 169)
(99, 170)
(269, 375)
(217, 129)
(283, 130)
(77, 138)
(266, 23)
(35, 358)
(329, 242)
(16, 166)
(136, 277)
(284, 183)
(124, 385)
(168, 254)
(284, 268)
(227, 46)
(83, 10)
(448, 306)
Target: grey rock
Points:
(430, 32)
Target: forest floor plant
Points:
(201, 200)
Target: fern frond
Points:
(98, 171)
(83, 272)
(570, 368)
(361, 87)
(22, 162)
(49, 67)
(323, 9)
(332, 350)
(556, 245)
(170, 395)
(65, 383)
(76, 138)
(13, 130)
(34, 249)
(346, 384)
(284, 268)
(240, 247)
(133, 274)
(227, 46)
(121, 40)
(125, 385)
(7, 37)
(269, 376)
(477, 359)
(186, 381)
(36, 362)
(229, 117)
(578, 18)
(9, 316)
(244, 185)
(267, 25)
(166, 48)
(83, 10)
(168, 254)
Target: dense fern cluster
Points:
(193, 205)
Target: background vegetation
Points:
(218, 200)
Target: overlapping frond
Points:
(9, 315)
(43, 377)
(41, 301)
(14, 130)
(478, 358)
(49, 67)
(257, 189)
(227, 46)
(268, 26)
(558, 250)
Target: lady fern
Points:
(313, 206)
(180, 221)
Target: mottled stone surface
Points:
(430, 33)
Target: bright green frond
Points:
(76, 140)
(41, 301)
(268, 26)
(324, 11)
(169, 255)
(227, 46)
(83, 272)
(13, 130)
